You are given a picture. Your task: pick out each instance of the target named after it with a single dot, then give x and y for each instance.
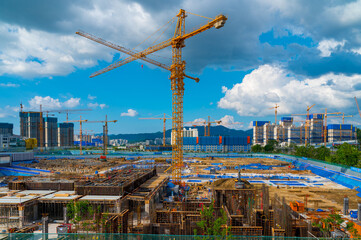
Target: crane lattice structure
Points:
(199, 123)
(307, 123)
(66, 111)
(325, 115)
(275, 108)
(80, 121)
(177, 76)
(105, 132)
(209, 123)
(164, 118)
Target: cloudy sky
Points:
(293, 53)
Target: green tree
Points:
(322, 153)
(256, 148)
(212, 228)
(303, 151)
(269, 148)
(79, 211)
(346, 154)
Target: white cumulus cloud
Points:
(52, 103)
(196, 122)
(229, 122)
(95, 105)
(90, 97)
(326, 47)
(129, 113)
(9, 111)
(267, 85)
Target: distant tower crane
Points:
(358, 108)
(177, 76)
(209, 125)
(307, 122)
(343, 117)
(325, 125)
(105, 132)
(206, 124)
(80, 121)
(275, 108)
(164, 126)
(66, 111)
(199, 123)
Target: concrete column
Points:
(45, 227)
(35, 209)
(345, 205)
(65, 214)
(21, 216)
(359, 211)
(118, 208)
(147, 208)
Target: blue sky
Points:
(293, 53)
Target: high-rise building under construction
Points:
(65, 134)
(30, 125)
(53, 134)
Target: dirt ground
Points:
(76, 166)
(240, 161)
(318, 197)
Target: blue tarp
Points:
(258, 166)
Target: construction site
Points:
(180, 194)
(257, 195)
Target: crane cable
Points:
(154, 33)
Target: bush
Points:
(346, 154)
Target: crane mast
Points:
(164, 118)
(177, 76)
(105, 132)
(80, 121)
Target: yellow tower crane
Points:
(177, 76)
(206, 124)
(307, 122)
(343, 117)
(80, 121)
(164, 126)
(275, 108)
(358, 108)
(325, 125)
(66, 111)
(199, 123)
(209, 125)
(105, 132)
(324, 115)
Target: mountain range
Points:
(215, 131)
